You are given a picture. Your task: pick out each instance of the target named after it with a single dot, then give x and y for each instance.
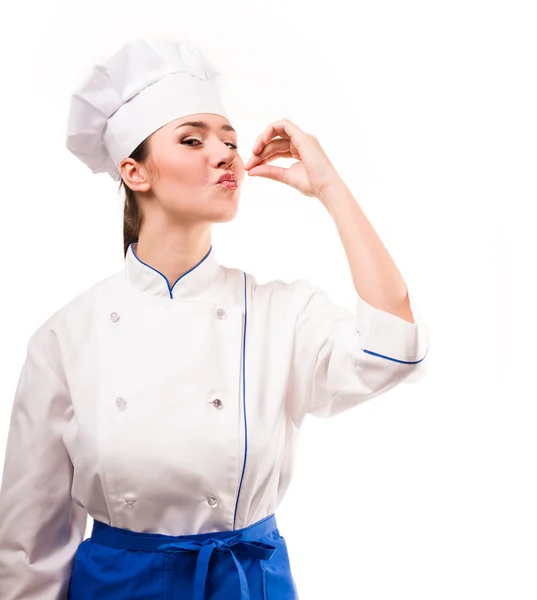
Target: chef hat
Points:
(143, 86)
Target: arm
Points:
(40, 526)
(341, 357)
(375, 275)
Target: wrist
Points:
(331, 191)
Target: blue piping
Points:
(165, 278)
(405, 362)
(243, 399)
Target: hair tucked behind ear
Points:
(132, 214)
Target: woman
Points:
(165, 401)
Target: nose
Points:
(228, 157)
(227, 161)
(222, 155)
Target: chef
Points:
(166, 400)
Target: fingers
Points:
(276, 146)
(283, 127)
(274, 156)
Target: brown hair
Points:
(132, 214)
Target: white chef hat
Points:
(143, 86)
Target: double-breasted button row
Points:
(211, 501)
(121, 403)
(219, 313)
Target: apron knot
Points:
(204, 549)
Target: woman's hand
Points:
(313, 172)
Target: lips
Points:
(228, 177)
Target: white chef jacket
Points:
(176, 410)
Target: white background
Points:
(428, 112)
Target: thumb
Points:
(269, 171)
(256, 171)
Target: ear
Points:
(134, 175)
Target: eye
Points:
(187, 142)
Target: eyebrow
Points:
(203, 125)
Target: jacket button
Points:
(114, 317)
(217, 403)
(130, 503)
(221, 313)
(121, 402)
(212, 501)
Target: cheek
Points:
(182, 168)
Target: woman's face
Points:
(188, 160)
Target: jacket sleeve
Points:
(40, 526)
(341, 358)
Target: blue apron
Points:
(244, 564)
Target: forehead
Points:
(203, 121)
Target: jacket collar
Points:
(151, 281)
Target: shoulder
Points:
(294, 294)
(73, 314)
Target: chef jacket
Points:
(176, 409)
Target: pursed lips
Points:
(228, 177)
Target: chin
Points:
(225, 215)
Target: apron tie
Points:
(205, 549)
